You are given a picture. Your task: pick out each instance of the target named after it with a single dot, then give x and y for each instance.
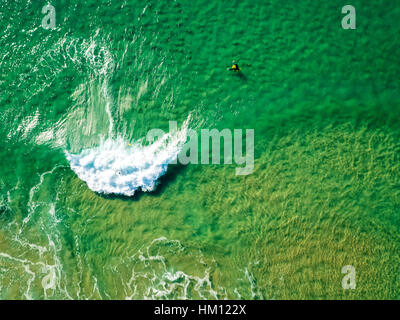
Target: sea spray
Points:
(117, 167)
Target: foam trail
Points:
(108, 111)
(115, 167)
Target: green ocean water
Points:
(324, 104)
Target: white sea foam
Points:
(156, 276)
(115, 167)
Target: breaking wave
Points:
(117, 167)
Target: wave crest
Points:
(116, 167)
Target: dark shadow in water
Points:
(168, 178)
(163, 182)
(241, 75)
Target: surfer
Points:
(235, 67)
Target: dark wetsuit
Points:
(235, 67)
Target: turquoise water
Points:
(324, 106)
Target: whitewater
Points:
(118, 167)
